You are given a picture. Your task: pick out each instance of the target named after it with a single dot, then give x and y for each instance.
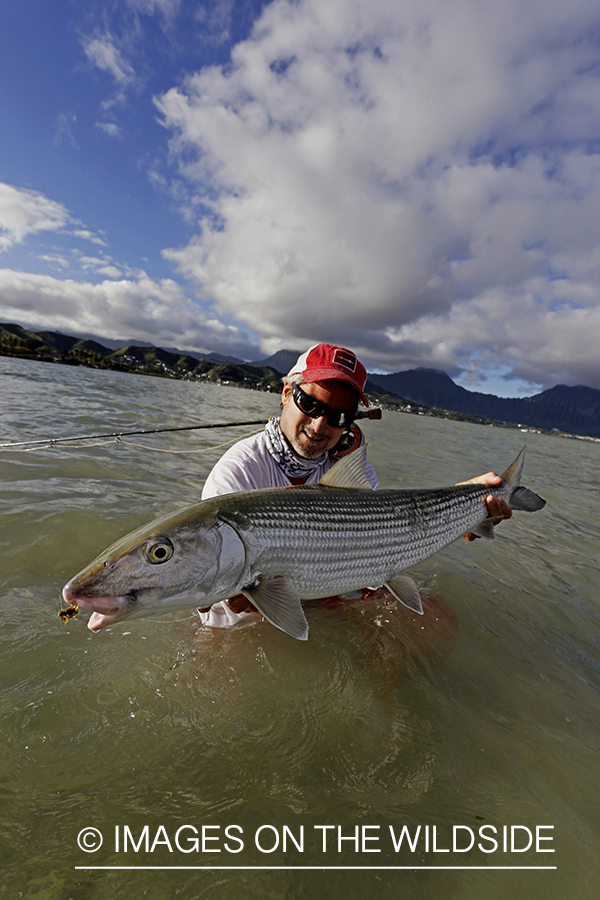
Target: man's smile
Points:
(317, 438)
(308, 433)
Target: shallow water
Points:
(484, 713)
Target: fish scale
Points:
(314, 539)
(281, 545)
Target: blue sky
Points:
(417, 180)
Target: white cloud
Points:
(56, 260)
(166, 8)
(127, 310)
(24, 212)
(99, 266)
(384, 175)
(216, 21)
(87, 235)
(534, 332)
(109, 128)
(63, 132)
(103, 53)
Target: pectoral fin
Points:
(405, 590)
(485, 529)
(278, 601)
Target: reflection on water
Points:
(485, 712)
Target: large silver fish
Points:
(279, 545)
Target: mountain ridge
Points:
(572, 410)
(563, 408)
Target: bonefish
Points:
(279, 546)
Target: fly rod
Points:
(374, 413)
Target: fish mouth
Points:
(105, 610)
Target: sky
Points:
(418, 180)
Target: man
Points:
(319, 402)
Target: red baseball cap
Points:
(324, 361)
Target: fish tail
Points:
(524, 499)
(521, 498)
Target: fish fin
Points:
(525, 499)
(349, 472)
(513, 473)
(485, 529)
(521, 498)
(278, 601)
(405, 590)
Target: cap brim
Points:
(332, 374)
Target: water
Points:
(483, 714)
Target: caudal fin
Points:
(526, 500)
(521, 498)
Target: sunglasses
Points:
(314, 409)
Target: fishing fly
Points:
(67, 613)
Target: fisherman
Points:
(319, 402)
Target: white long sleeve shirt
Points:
(248, 466)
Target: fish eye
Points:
(158, 550)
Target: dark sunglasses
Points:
(337, 418)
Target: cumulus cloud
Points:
(126, 310)
(532, 331)
(24, 212)
(417, 180)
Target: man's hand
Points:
(240, 604)
(498, 508)
(237, 604)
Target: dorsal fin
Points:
(513, 473)
(349, 472)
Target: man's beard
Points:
(308, 450)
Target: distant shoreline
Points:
(562, 409)
(393, 404)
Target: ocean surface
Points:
(389, 756)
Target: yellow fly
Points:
(68, 613)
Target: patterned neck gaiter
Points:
(294, 466)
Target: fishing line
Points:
(232, 440)
(119, 440)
